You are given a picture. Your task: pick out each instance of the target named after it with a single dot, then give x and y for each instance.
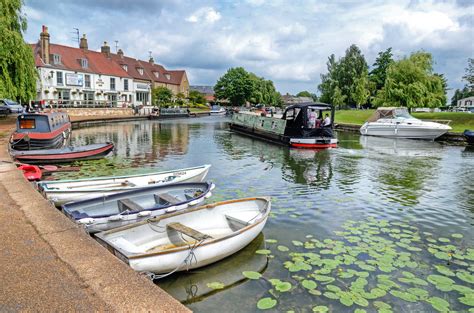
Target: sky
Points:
(287, 42)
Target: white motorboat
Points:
(217, 110)
(133, 206)
(189, 239)
(398, 123)
(63, 191)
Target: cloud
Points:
(205, 14)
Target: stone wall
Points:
(97, 111)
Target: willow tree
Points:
(17, 66)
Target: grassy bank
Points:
(199, 110)
(459, 121)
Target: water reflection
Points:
(192, 286)
(401, 147)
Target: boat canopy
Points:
(389, 112)
(297, 120)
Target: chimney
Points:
(83, 45)
(151, 60)
(105, 49)
(44, 45)
(120, 53)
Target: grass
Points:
(459, 121)
(199, 110)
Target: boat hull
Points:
(127, 242)
(100, 214)
(469, 134)
(64, 191)
(313, 143)
(404, 131)
(64, 155)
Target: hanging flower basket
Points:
(46, 91)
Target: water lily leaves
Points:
(215, 285)
(282, 248)
(444, 270)
(297, 243)
(321, 309)
(323, 278)
(404, 295)
(263, 251)
(309, 284)
(266, 303)
(346, 300)
(331, 295)
(467, 299)
(283, 286)
(251, 275)
(382, 306)
(439, 304)
(297, 266)
(420, 293)
(442, 283)
(465, 276)
(271, 240)
(457, 236)
(315, 292)
(445, 240)
(463, 289)
(442, 255)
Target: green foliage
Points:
(161, 95)
(411, 83)
(338, 98)
(195, 97)
(381, 65)
(17, 67)
(236, 85)
(264, 92)
(461, 94)
(469, 75)
(308, 94)
(361, 90)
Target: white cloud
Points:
(32, 14)
(205, 14)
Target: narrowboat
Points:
(303, 125)
(469, 134)
(37, 131)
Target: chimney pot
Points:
(83, 44)
(44, 44)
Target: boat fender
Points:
(208, 195)
(116, 217)
(144, 213)
(194, 202)
(171, 209)
(212, 186)
(87, 220)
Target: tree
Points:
(461, 94)
(17, 66)
(196, 97)
(469, 75)
(351, 67)
(264, 91)
(411, 83)
(361, 90)
(379, 72)
(161, 96)
(338, 99)
(327, 80)
(236, 86)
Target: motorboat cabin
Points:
(398, 123)
(35, 131)
(303, 125)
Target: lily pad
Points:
(444, 270)
(282, 248)
(465, 276)
(404, 295)
(309, 284)
(439, 304)
(320, 309)
(266, 303)
(297, 243)
(215, 285)
(283, 286)
(457, 236)
(263, 251)
(252, 275)
(271, 240)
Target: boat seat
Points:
(188, 231)
(235, 223)
(128, 205)
(166, 198)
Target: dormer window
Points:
(140, 70)
(56, 59)
(168, 76)
(125, 67)
(84, 63)
(157, 75)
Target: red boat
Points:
(64, 155)
(36, 131)
(31, 172)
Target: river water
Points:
(321, 201)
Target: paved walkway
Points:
(47, 263)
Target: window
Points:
(142, 97)
(125, 84)
(168, 76)
(64, 94)
(89, 97)
(56, 59)
(87, 81)
(59, 78)
(125, 67)
(84, 63)
(157, 75)
(112, 83)
(140, 70)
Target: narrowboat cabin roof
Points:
(41, 122)
(312, 105)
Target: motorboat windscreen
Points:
(390, 113)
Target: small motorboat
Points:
(62, 191)
(191, 238)
(104, 213)
(398, 123)
(217, 110)
(63, 155)
(469, 134)
(35, 131)
(31, 172)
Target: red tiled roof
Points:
(70, 60)
(132, 66)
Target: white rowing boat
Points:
(104, 213)
(189, 239)
(63, 191)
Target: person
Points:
(327, 121)
(312, 119)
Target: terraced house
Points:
(78, 77)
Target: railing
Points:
(54, 104)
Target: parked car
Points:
(4, 110)
(11, 105)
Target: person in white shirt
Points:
(327, 121)
(312, 119)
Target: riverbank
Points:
(459, 121)
(51, 264)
